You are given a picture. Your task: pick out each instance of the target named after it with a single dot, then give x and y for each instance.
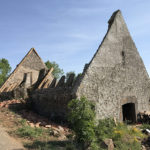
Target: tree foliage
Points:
(57, 72)
(4, 70)
(82, 120)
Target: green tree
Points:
(57, 72)
(82, 120)
(4, 70)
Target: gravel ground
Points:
(7, 142)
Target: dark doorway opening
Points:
(129, 114)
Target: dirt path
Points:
(7, 142)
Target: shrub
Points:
(90, 135)
(105, 129)
(82, 120)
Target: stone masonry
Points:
(115, 79)
(116, 74)
(27, 74)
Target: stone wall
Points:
(31, 64)
(115, 74)
(26, 75)
(114, 77)
(52, 101)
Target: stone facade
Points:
(115, 79)
(116, 74)
(52, 101)
(26, 75)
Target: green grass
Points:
(121, 145)
(29, 132)
(145, 126)
(22, 122)
(124, 137)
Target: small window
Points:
(123, 54)
(123, 57)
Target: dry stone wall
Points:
(52, 102)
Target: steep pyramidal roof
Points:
(116, 41)
(115, 73)
(31, 63)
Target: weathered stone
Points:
(70, 80)
(143, 147)
(109, 144)
(29, 73)
(55, 133)
(47, 80)
(37, 125)
(31, 125)
(116, 78)
(48, 126)
(61, 82)
(61, 129)
(62, 137)
(53, 84)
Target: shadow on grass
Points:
(51, 145)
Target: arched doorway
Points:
(128, 109)
(128, 112)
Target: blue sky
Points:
(68, 31)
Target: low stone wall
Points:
(52, 102)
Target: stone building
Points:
(31, 72)
(115, 79)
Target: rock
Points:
(55, 133)
(48, 126)
(108, 144)
(62, 137)
(54, 128)
(37, 125)
(143, 147)
(31, 125)
(61, 129)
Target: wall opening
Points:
(123, 57)
(129, 114)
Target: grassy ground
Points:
(41, 138)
